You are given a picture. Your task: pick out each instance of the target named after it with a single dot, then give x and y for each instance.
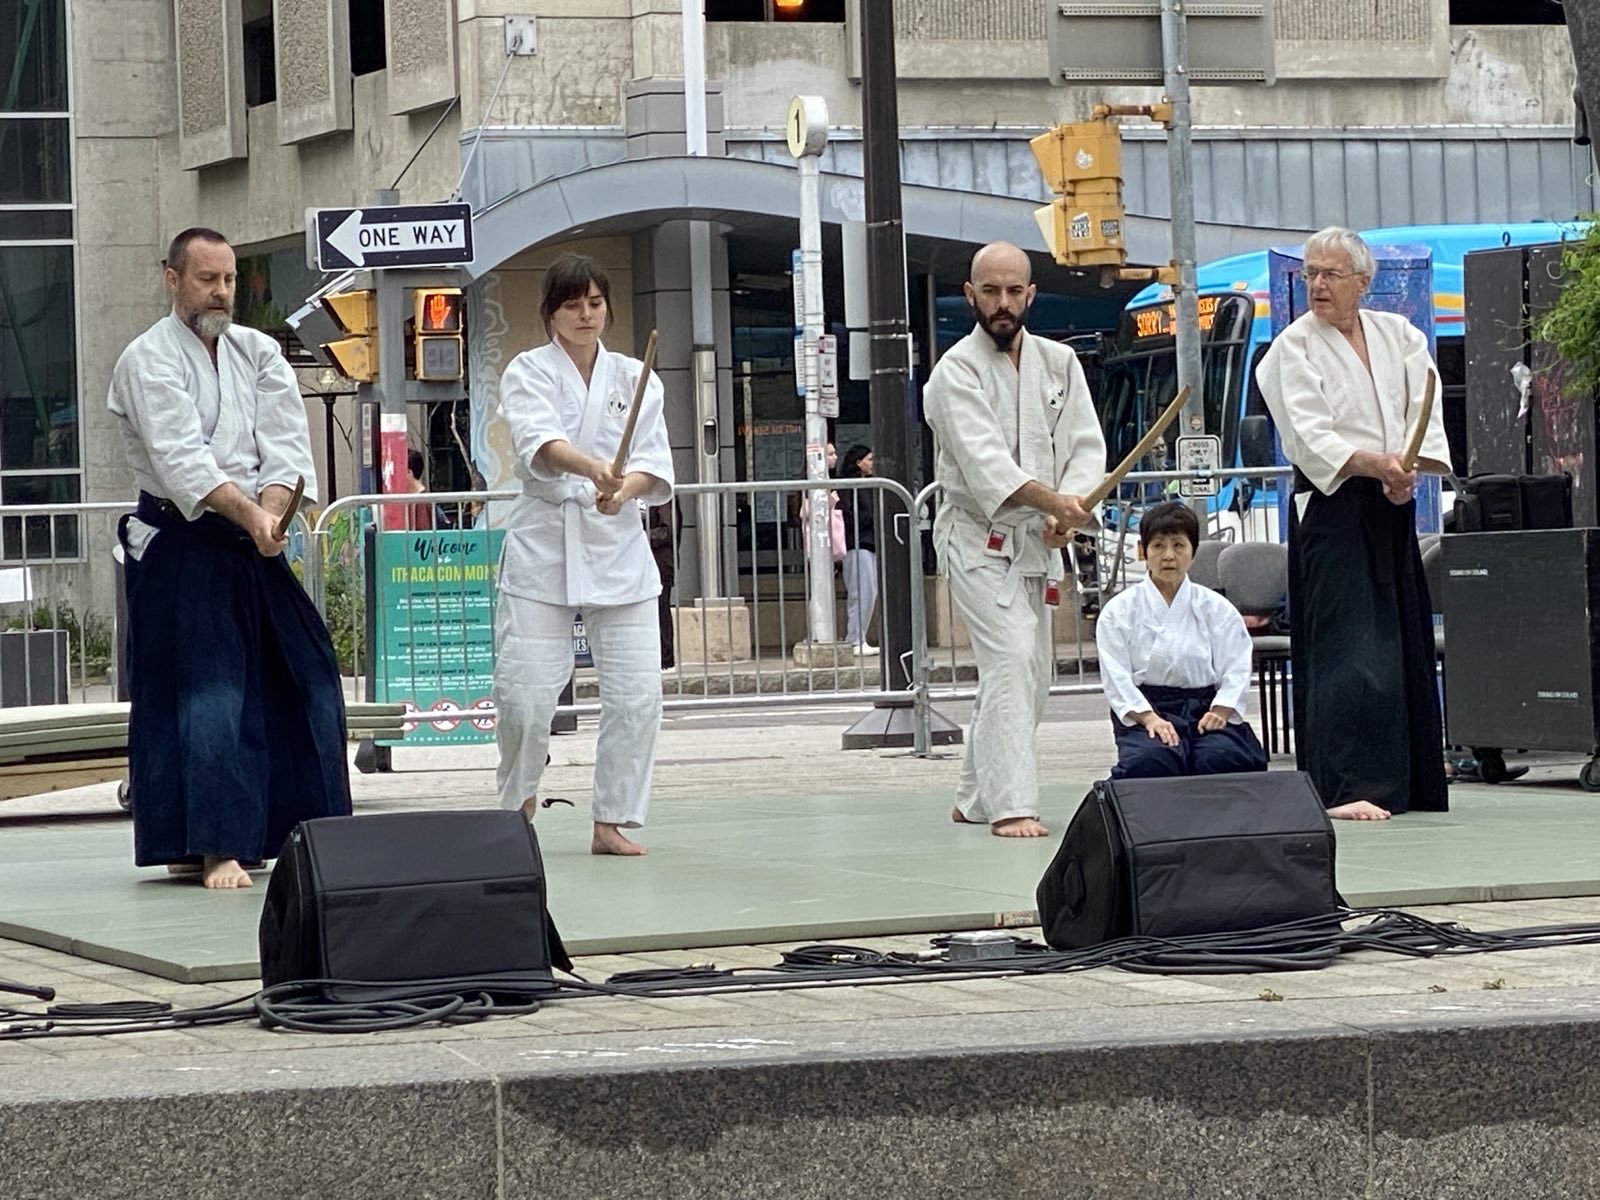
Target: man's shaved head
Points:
(1000, 290)
(1000, 257)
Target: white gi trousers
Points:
(533, 662)
(1014, 652)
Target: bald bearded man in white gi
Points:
(1018, 446)
(1345, 387)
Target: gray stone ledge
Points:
(1473, 1094)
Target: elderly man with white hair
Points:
(1345, 387)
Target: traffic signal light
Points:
(356, 314)
(1082, 163)
(436, 332)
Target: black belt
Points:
(163, 514)
(1160, 694)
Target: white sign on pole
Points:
(828, 374)
(1199, 458)
(419, 235)
(828, 364)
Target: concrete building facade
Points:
(141, 117)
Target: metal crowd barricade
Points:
(59, 644)
(726, 655)
(55, 645)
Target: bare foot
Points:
(608, 839)
(530, 807)
(1020, 827)
(955, 815)
(1359, 810)
(223, 873)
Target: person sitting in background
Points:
(1175, 662)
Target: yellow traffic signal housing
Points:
(439, 349)
(357, 315)
(1070, 154)
(1082, 163)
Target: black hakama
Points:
(237, 727)
(1233, 749)
(1365, 685)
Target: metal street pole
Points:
(1175, 56)
(893, 413)
(391, 385)
(819, 565)
(708, 442)
(1583, 31)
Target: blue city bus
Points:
(1139, 362)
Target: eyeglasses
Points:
(1313, 274)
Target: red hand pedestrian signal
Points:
(439, 312)
(438, 350)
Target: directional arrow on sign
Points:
(423, 235)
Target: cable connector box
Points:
(981, 944)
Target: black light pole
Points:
(1583, 30)
(894, 412)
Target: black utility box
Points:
(1522, 626)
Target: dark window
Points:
(40, 536)
(38, 359)
(35, 161)
(260, 63)
(33, 56)
(776, 10)
(1498, 12)
(367, 52)
(1255, 404)
(31, 225)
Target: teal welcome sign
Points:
(435, 630)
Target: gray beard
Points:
(209, 324)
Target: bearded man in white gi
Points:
(236, 729)
(1345, 388)
(1018, 444)
(574, 542)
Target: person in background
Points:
(858, 508)
(418, 516)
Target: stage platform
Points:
(775, 867)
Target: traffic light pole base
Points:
(890, 726)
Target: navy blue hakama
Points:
(1230, 750)
(1367, 724)
(237, 727)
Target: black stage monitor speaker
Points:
(403, 897)
(1201, 854)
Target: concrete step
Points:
(1383, 1097)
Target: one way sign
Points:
(420, 235)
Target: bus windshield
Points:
(1141, 375)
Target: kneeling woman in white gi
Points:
(1175, 662)
(574, 542)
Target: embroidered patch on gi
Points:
(617, 406)
(997, 542)
(1057, 396)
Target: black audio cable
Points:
(347, 1006)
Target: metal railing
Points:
(56, 644)
(727, 652)
(751, 649)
